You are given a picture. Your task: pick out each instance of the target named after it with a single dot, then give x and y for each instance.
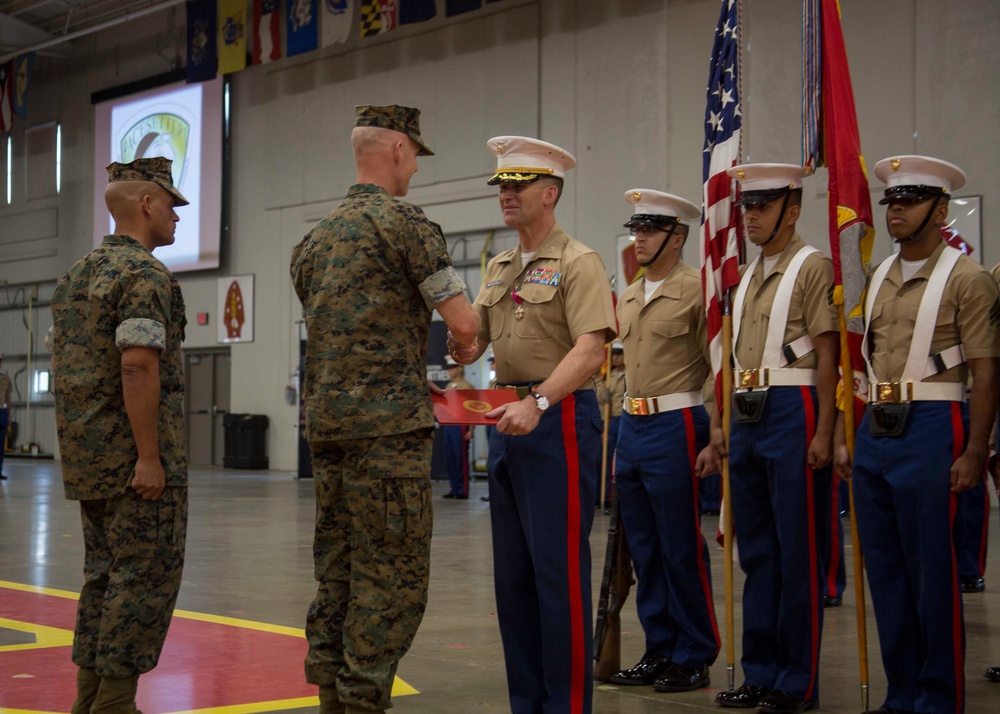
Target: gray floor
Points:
(249, 553)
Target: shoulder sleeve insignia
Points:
(995, 313)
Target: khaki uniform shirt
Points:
(5, 391)
(996, 273)
(564, 292)
(666, 339)
(460, 383)
(116, 297)
(969, 315)
(810, 310)
(615, 396)
(368, 276)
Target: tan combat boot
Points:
(329, 702)
(87, 683)
(116, 696)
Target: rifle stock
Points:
(615, 585)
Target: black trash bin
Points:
(246, 441)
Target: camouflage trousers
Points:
(372, 558)
(132, 565)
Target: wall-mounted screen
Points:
(183, 122)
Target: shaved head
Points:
(123, 197)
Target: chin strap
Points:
(781, 217)
(923, 225)
(669, 228)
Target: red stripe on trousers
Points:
(706, 587)
(958, 446)
(577, 658)
(809, 409)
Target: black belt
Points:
(522, 389)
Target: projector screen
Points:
(183, 122)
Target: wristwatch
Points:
(541, 401)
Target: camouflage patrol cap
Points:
(155, 169)
(393, 116)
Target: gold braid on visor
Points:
(518, 174)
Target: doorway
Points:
(207, 374)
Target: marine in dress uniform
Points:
(993, 673)
(931, 319)
(118, 377)
(369, 421)
(546, 307)
(785, 348)
(456, 439)
(664, 428)
(5, 392)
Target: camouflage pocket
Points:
(150, 529)
(407, 516)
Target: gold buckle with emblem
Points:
(751, 378)
(638, 405)
(892, 392)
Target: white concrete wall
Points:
(620, 84)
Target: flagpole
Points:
(847, 393)
(605, 496)
(727, 501)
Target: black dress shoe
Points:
(971, 584)
(461, 496)
(887, 710)
(778, 702)
(710, 512)
(746, 697)
(992, 674)
(682, 679)
(484, 498)
(832, 601)
(648, 670)
(448, 495)
(2, 477)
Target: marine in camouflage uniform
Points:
(369, 276)
(115, 306)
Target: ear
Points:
(792, 215)
(146, 205)
(549, 194)
(941, 213)
(397, 151)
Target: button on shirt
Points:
(968, 315)
(666, 343)
(809, 312)
(563, 292)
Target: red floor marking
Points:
(203, 664)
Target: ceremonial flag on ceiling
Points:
(232, 36)
(378, 16)
(720, 240)
(6, 96)
(837, 143)
(411, 11)
(457, 7)
(202, 48)
(22, 78)
(302, 27)
(266, 31)
(338, 15)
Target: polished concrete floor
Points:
(249, 562)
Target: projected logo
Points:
(159, 134)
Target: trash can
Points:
(246, 441)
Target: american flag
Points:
(720, 242)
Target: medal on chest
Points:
(518, 303)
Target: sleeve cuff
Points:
(441, 286)
(141, 332)
(48, 340)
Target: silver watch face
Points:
(541, 402)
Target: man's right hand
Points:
(149, 479)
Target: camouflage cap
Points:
(155, 169)
(402, 119)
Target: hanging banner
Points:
(235, 309)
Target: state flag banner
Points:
(202, 36)
(378, 16)
(232, 36)
(266, 31)
(6, 96)
(302, 27)
(338, 17)
(458, 7)
(22, 78)
(411, 11)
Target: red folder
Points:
(469, 406)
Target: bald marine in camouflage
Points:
(119, 387)
(368, 276)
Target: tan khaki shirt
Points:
(996, 273)
(968, 315)
(810, 312)
(5, 391)
(666, 342)
(564, 293)
(616, 395)
(460, 383)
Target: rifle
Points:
(615, 584)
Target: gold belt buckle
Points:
(893, 392)
(750, 378)
(638, 406)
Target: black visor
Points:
(650, 219)
(912, 194)
(759, 198)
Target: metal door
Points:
(207, 374)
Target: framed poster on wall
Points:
(236, 309)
